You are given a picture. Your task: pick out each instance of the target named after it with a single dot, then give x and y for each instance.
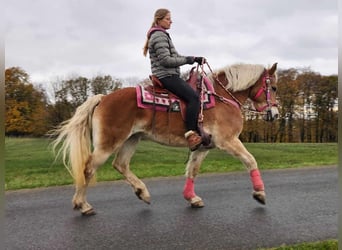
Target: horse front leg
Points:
(192, 169)
(238, 150)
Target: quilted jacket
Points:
(165, 60)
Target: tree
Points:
(25, 105)
(307, 106)
(324, 101)
(104, 84)
(71, 93)
(288, 90)
(61, 109)
(307, 81)
(78, 90)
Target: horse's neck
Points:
(241, 96)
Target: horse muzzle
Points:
(271, 114)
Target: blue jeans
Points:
(182, 89)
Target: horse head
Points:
(263, 94)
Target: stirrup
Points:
(194, 140)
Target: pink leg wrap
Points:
(258, 184)
(188, 191)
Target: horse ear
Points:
(273, 69)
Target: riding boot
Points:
(194, 140)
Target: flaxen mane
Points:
(240, 76)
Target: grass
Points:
(322, 245)
(29, 163)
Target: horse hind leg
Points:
(96, 159)
(121, 164)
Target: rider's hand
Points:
(190, 60)
(200, 60)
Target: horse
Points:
(113, 124)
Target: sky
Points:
(60, 39)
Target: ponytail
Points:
(145, 49)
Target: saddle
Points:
(196, 83)
(157, 89)
(160, 93)
(157, 86)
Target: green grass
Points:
(29, 163)
(322, 245)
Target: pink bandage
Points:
(189, 191)
(258, 184)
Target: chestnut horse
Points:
(113, 124)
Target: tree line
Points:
(307, 105)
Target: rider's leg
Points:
(180, 88)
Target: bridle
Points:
(264, 89)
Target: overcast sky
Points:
(52, 39)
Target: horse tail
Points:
(74, 136)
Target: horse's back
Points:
(117, 102)
(120, 96)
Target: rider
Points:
(165, 65)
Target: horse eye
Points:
(274, 88)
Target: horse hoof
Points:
(147, 201)
(138, 193)
(77, 207)
(259, 196)
(196, 202)
(89, 212)
(146, 198)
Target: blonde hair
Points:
(158, 15)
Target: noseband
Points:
(266, 89)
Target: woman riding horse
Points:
(165, 63)
(114, 123)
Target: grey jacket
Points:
(165, 60)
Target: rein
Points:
(223, 99)
(265, 88)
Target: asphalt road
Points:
(301, 206)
